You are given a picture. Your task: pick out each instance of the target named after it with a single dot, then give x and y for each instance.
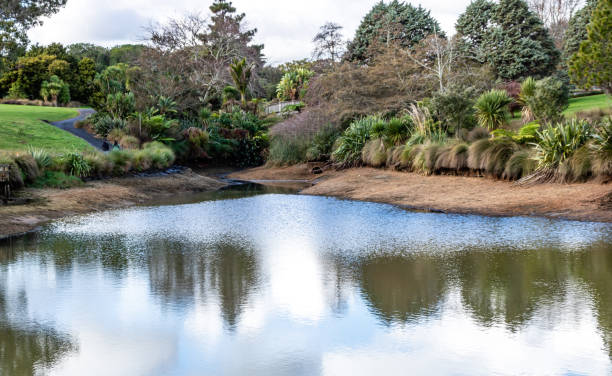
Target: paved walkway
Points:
(68, 126)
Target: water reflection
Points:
(282, 284)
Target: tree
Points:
(592, 64)
(328, 42)
(577, 29)
(555, 14)
(510, 37)
(241, 71)
(389, 23)
(99, 54)
(16, 17)
(56, 90)
(189, 57)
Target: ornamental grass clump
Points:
(492, 109)
(374, 153)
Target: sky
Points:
(285, 27)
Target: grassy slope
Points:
(21, 126)
(588, 103)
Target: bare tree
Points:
(329, 43)
(555, 15)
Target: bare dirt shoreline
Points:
(450, 194)
(51, 204)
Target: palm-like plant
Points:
(558, 143)
(492, 109)
(528, 88)
(241, 73)
(166, 105)
(292, 83)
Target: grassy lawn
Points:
(21, 126)
(588, 103)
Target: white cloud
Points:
(285, 27)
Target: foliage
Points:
(241, 73)
(389, 24)
(548, 100)
(41, 156)
(322, 143)
(293, 84)
(508, 36)
(454, 109)
(287, 150)
(492, 109)
(527, 134)
(57, 180)
(592, 64)
(55, 90)
(104, 124)
(557, 143)
(577, 29)
(76, 165)
(352, 141)
(602, 148)
(528, 88)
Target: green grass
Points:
(21, 126)
(588, 103)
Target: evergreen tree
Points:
(577, 29)
(510, 37)
(473, 26)
(592, 64)
(388, 24)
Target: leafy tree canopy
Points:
(393, 23)
(577, 29)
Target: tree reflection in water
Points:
(26, 348)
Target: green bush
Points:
(287, 150)
(527, 134)
(454, 109)
(76, 165)
(104, 124)
(322, 143)
(558, 143)
(352, 141)
(549, 99)
(41, 156)
(492, 109)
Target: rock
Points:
(316, 170)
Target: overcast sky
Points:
(286, 27)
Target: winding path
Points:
(68, 126)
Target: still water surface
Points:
(279, 284)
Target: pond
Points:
(261, 282)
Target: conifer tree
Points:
(592, 64)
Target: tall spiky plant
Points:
(528, 88)
(492, 109)
(241, 72)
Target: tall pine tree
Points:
(592, 64)
(510, 37)
(391, 24)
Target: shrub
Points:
(293, 84)
(322, 144)
(549, 99)
(352, 141)
(115, 135)
(121, 161)
(42, 157)
(129, 142)
(494, 158)
(476, 152)
(454, 109)
(528, 88)
(558, 143)
(527, 134)
(104, 124)
(76, 165)
(601, 147)
(492, 109)
(287, 150)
